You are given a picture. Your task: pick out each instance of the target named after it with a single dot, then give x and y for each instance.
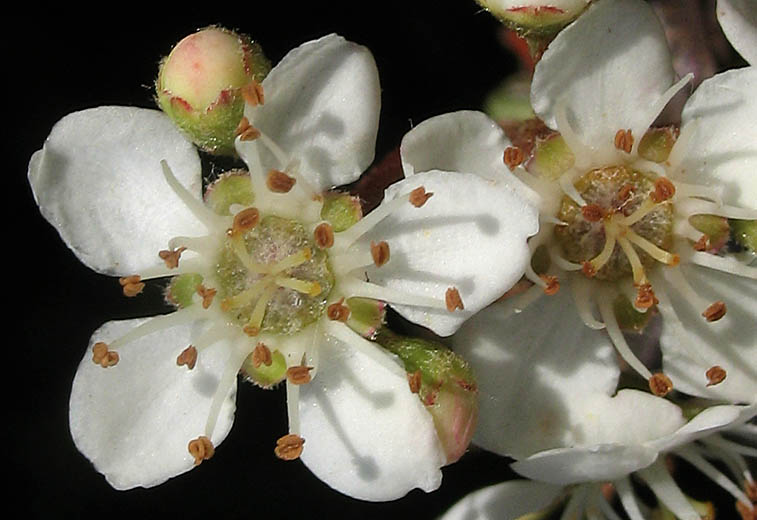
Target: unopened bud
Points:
(199, 85)
(447, 388)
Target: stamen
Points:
(715, 311)
(624, 140)
(651, 249)
(244, 221)
(645, 298)
(606, 310)
(261, 356)
(623, 196)
(211, 220)
(158, 323)
(660, 384)
(293, 260)
(187, 357)
(239, 352)
(207, 295)
(414, 381)
(582, 292)
(663, 190)
(579, 149)
(354, 287)
(628, 499)
(324, 235)
(338, 311)
(253, 93)
(703, 244)
(453, 300)
(171, 258)
(712, 472)
(380, 253)
(566, 184)
(591, 267)
(639, 276)
(102, 356)
(664, 487)
(279, 182)
(715, 375)
(593, 212)
(513, 157)
(747, 511)
(552, 284)
(719, 263)
(418, 196)
(289, 447)
(245, 131)
(132, 285)
(299, 375)
(258, 313)
(201, 449)
(311, 288)
(689, 207)
(245, 297)
(646, 207)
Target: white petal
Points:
(471, 235)
(535, 370)
(99, 181)
(366, 435)
(606, 71)
(506, 501)
(322, 105)
(465, 141)
(134, 421)
(709, 421)
(593, 463)
(691, 345)
(723, 150)
(738, 18)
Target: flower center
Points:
(620, 207)
(272, 278)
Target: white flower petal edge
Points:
(134, 420)
(322, 104)
(471, 235)
(723, 149)
(534, 377)
(98, 181)
(590, 76)
(371, 437)
(464, 141)
(508, 500)
(738, 18)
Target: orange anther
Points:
(553, 284)
(645, 297)
(715, 311)
(418, 196)
(593, 212)
(279, 182)
(245, 131)
(131, 285)
(624, 140)
(338, 311)
(660, 384)
(171, 257)
(663, 190)
(703, 244)
(380, 253)
(324, 235)
(253, 93)
(251, 330)
(289, 447)
(245, 220)
(261, 355)
(715, 375)
(102, 356)
(299, 375)
(414, 380)
(513, 157)
(187, 357)
(452, 300)
(207, 295)
(588, 269)
(201, 449)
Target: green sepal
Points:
(182, 288)
(367, 316)
(266, 376)
(341, 210)
(551, 158)
(744, 232)
(716, 228)
(629, 319)
(510, 101)
(657, 143)
(233, 187)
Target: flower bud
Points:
(535, 17)
(199, 85)
(445, 385)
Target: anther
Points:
(187, 357)
(245, 220)
(588, 269)
(289, 447)
(715, 311)
(593, 212)
(245, 131)
(663, 190)
(715, 375)
(253, 93)
(552, 284)
(750, 488)
(201, 449)
(624, 140)
(703, 244)
(279, 182)
(660, 384)
(414, 381)
(261, 355)
(624, 193)
(171, 257)
(102, 356)
(453, 300)
(419, 196)
(324, 235)
(299, 375)
(513, 157)
(251, 330)
(645, 297)
(380, 253)
(206, 294)
(338, 311)
(747, 511)
(132, 285)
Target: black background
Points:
(433, 57)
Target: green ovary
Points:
(287, 310)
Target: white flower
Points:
(276, 278)
(616, 224)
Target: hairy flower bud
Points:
(540, 17)
(199, 83)
(444, 383)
